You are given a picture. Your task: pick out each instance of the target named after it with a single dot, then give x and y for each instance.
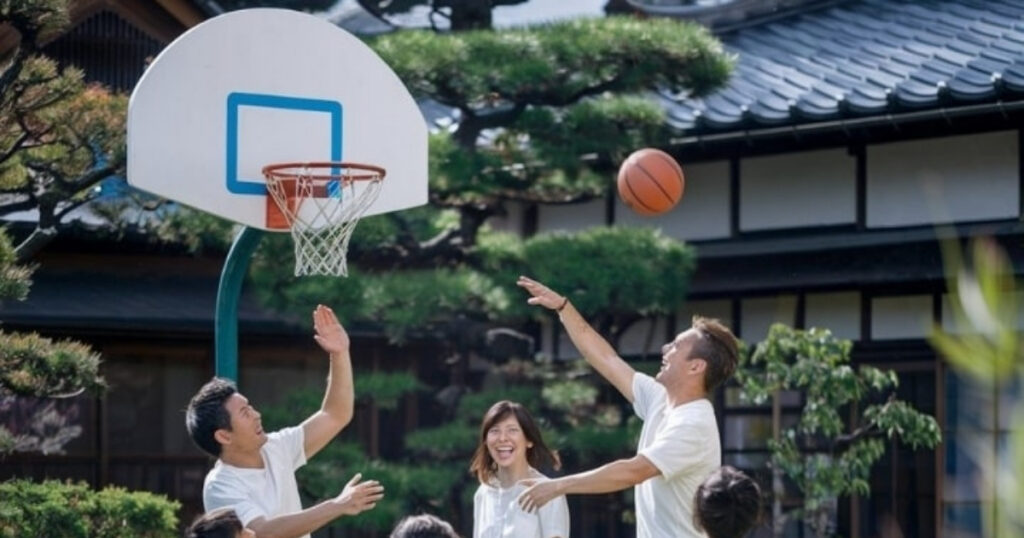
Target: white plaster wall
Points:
(758, 314)
(798, 190)
(941, 180)
(639, 340)
(571, 217)
(837, 312)
(512, 222)
(720, 309)
(702, 213)
(901, 316)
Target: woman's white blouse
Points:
(496, 514)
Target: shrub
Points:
(73, 510)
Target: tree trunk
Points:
(778, 489)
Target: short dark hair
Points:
(223, 523)
(423, 526)
(719, 349)
(727, 504)
(537, 456)
(206, 414)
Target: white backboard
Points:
(261, 86)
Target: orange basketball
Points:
(650, 181)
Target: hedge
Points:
(74, 510)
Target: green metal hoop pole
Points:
(228, 293)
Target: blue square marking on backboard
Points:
(237, 100)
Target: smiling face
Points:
(507, 444)
(246, 434)
(676, 365)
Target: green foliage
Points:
(566, 396)
(820, 455)
(197, 230)
(428, 300)
(35, 19)
(473, 405)
(60, 136)
(612, 271)
(555, 64)
(14, 278)
(451, 441)
(385, 389)
(594, 444)
(53, 508)
(552, 94)
(31, 365)
(985, 344)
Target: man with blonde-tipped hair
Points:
(679, 444)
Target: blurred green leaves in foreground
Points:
(983, 341)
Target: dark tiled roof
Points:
(97, 300)
(863, 58)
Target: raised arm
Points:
(357, 497)
(594, 348)
(336, 410)
(614, 476)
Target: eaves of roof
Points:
(860, 59)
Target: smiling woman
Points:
(510, 449)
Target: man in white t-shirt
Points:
(255, 471)
(679, 443)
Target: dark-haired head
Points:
(727, 504)
(221, 523)
(719, 349)
(207, 413)
(423, 526)
(537, 454)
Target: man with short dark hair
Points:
(727, 504)
(255, 471)
(679, 443)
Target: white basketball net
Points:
(321, 226)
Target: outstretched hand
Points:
(541, 294)
(539, 493)
(329, 333)
(359, 496)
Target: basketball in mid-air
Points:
(650, 181)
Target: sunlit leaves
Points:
(823, 455)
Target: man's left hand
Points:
(329, 333)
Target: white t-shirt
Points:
(268, 492)
(682, 442)
(496, 514)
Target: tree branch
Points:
(844, 442)
(15, 147)
(475, 123)
(94, 176)
(371, 7)
(23, 205)
(72, 206)
(35, 242)
(550, 98)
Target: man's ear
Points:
(698, 365)
(222, 436)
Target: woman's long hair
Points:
(538, 455)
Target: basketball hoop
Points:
(321, 203)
